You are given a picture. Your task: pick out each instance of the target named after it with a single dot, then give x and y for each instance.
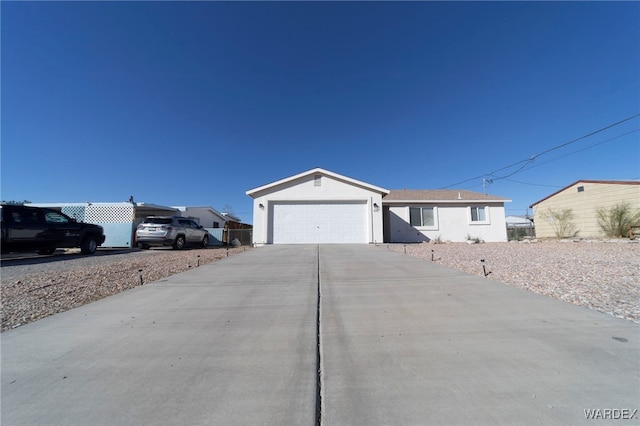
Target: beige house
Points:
(584, 198)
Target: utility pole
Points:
(484, 184)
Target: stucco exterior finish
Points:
(306, 188)
(584, 203)
(453, 223)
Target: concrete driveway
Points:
(401, 342)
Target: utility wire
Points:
(535, 184)
(585, 148)
(529, 160)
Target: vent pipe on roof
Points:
(459, 196)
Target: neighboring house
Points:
(412, 216)
(213, 221)
(208, 217)
(119, 220)
(584, 198)
(319, 206)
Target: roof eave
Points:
(251, 192)
(605, 182)
(446, 201)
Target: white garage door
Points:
(319, 222)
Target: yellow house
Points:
(584, 198)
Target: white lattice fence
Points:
(109, 213)
(75, 212)
(117, 221)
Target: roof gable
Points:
(253, 192)
(433, 195)
(604, 182)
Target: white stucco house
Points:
(206, 216)
(412, 216)
(319, 206)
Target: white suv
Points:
(172, 231)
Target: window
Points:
(216, 224)
(159, 220)
(581, 189)
(317, 180)
(422, 216)
(479, 215)
(53, 217)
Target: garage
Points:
(318, 222)
(317, 207)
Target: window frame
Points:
(485, 221)
(434, 209)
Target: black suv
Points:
(26, 228)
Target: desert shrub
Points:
(616, 220)
(474, 240)
(561, 222)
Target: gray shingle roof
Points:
(439, 195)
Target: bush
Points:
(474, 240)
(562, 222)
(615, 221)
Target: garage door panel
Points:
(318, 222)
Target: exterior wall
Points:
(584, 205)
(452, 223)
(205, 216)
(304, 189)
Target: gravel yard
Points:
(34, 288)
(604, 276)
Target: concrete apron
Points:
(402, 342)
(409, 342)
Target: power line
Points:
(535, 184)
(529, 160)
(585, 148)
(586, 136)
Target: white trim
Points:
(315, 171)
(436, 225)
(486, 221)
(443, 201)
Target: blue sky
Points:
(194, 103)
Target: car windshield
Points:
(158, 220)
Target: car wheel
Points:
(178, 244)
(143, 246)
(46, 251)
(89, 245)
(205, 241)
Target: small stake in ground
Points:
(198, 260)
(484, 268)
(433, 254)
(140, 273)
